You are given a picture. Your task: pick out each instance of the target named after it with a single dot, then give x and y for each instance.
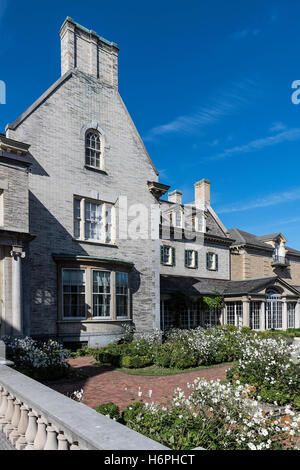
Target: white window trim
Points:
(170, 262)
(112, 294)
(104, 204)
(102, 147)
(62, 295)
(214, 268)
(193, 265)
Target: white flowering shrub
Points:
(267, 365)
(215, 416)
(43, 360)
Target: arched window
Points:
(93, 149)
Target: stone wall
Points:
(56, 132)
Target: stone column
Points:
(262, 320)
(246, 312)
(17, 321)
(284, 314)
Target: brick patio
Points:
(101, 386)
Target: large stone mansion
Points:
(78, 188)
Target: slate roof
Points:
(196, 285)
(245, 238)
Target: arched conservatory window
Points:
(93, 149)
(273, 310)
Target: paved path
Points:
(102, 386)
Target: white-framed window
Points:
(291, 308)
(212, 261)
(191, 259)
(74, 293)
(93, 220)
(255, 315)
(93, 150)
(121, 295)
(234, 314)
(167, 255)
(273, 313)
(92, 293)
(101, 293)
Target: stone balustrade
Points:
(35, 417)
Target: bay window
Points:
(121, 294)
(94, 293)
(74, 293)
(101, 294)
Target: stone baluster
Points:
(41, 435)
(74, 446)
(31, 430)
(3, 420)
(63, 443)
(8, 428)
(14, 435)
(22, 428)
(51, 441)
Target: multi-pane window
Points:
(273, 310)
(212, 262)
(191, 259)
(93, 220)
(121, 294)
(255, 315)
(178, 218)
(93, 149)
(98, 293)
(73, 293)
(234, 313)
(167, 255)
(291, 309)
(77, 218)
(101, 294)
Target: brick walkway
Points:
(101, 386)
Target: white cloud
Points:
(270, 200)
(227, 103)
(278, 127)
(244, 33)
(259, 144)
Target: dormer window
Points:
(93, 150)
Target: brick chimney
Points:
(87, 51)
(202, 193)
(175, 196)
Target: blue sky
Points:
(208, 85)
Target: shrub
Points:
(135, 362)
(266, 363)
(111, 410)
(214, 416)
(40, 360)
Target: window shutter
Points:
(196, 259)
(217, 262)
(161, 255)
(173, 257)
(185, 258)
(207, 260)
